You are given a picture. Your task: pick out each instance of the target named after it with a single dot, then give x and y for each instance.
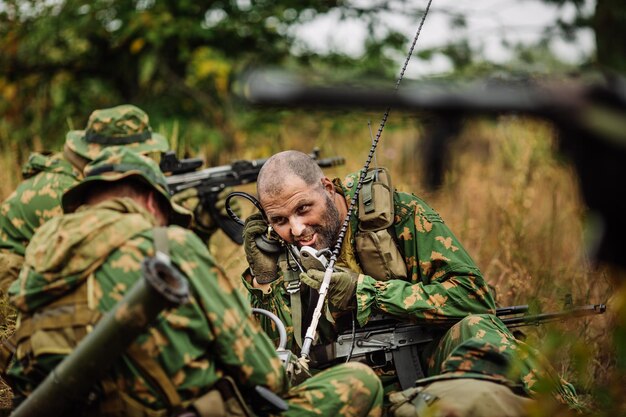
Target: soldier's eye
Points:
(277, 221)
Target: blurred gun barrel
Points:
(279, 89)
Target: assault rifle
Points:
(385, 341)
(210, 181)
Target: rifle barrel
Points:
(510, 310)
(280, 89)
(537, 319)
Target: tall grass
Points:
(507, 196)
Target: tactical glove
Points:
(204, 224)
(342, 288)
(263, 265)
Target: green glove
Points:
(203, 223)
(342, 288)
(263, 265)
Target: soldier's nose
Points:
(297, 227)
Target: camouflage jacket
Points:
(443, 280)
(36, 200)
(195, 344)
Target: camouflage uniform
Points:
(96, 258)
(38, 198)
(448, 283)
(475, 380)
(443, 283)
(35, 201)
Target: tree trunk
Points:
(609, 24)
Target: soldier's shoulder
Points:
(408, 204)
(186, 243)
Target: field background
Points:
(507, 194)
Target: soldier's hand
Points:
(203, 221)
(342, 288)
(263, 265)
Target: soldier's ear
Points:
(154, 206)
(328, 185)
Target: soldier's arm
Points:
(454, 297)
(274, 299)
(240, 346)
(443, 280)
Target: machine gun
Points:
(590, 116)
(210, 181)
(385, 341)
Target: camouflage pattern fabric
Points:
(124, 125)
(117, 163)
(474, 381)
(443, 282)
(466, 345)
(36, 200)
(350, 389)
(196, 343)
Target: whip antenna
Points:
(312, 330)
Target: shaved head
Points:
(283, 167)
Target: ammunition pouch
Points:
(222, 400)
(459, 397)
(375, 244)
(57, 329)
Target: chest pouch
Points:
(375, 245)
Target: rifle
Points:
(210, 181)
(384, 340)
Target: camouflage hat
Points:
(124, 125)
(475, 358)
(118, 163)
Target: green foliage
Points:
(61, 60)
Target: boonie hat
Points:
(124, 125)
(475, 358)
(118, 163)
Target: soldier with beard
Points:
(118, 215)
(405, 263)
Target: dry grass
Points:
(516, 209)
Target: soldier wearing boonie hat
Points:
(124, 125)
(80, 264)
(117, 164)
(475, 380)
(38, 198)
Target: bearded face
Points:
(304, 215)
(328, 227)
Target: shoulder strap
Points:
(155, 374)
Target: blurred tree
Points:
(608, 21)
(62, 59)
(175, 58)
